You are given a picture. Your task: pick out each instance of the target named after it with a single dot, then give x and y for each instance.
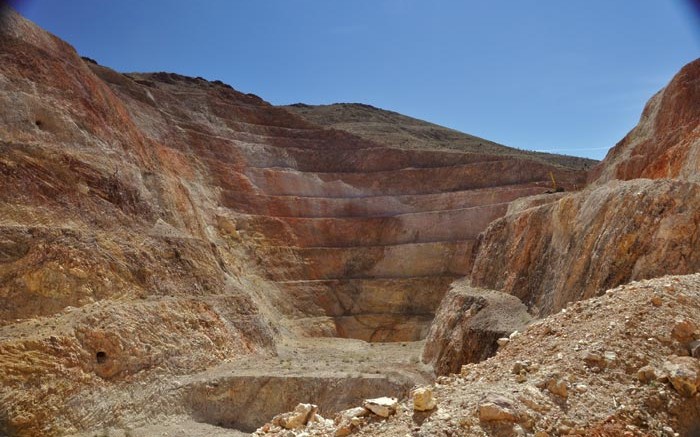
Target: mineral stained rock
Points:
(620, 228)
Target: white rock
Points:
(302, 414)
(503, 341)
(383, 407)
(352, 412)
(610, 356)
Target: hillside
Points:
(397, 130)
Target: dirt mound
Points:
(615, 365)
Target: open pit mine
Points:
(178, 258)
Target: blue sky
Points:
(566, 76)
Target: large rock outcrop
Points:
(579, 246)
(666, 142)
(468, 324)
(618, 229)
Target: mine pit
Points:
(246, 402)
(252, 257)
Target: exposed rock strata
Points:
(152, 225)
(577, 247)
(666, 142)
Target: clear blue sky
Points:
(569, 76)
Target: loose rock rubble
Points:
(574, 373)
(304, 420)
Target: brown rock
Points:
(495, 408)
(468, 325)
(684, 330)
(647, 374)
(558, 386)
(684, 374)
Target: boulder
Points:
(382, 407)
(423, 399)
(684, 374)
(302, 414)
(683, 330)
(468, 326)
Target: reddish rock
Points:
(588, 242)
(616, 230)
(666, 142)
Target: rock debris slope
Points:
(160, 233)
(572, 373)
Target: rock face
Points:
(666, 143)
(615, 230)
(468, 324)
(577, 247)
